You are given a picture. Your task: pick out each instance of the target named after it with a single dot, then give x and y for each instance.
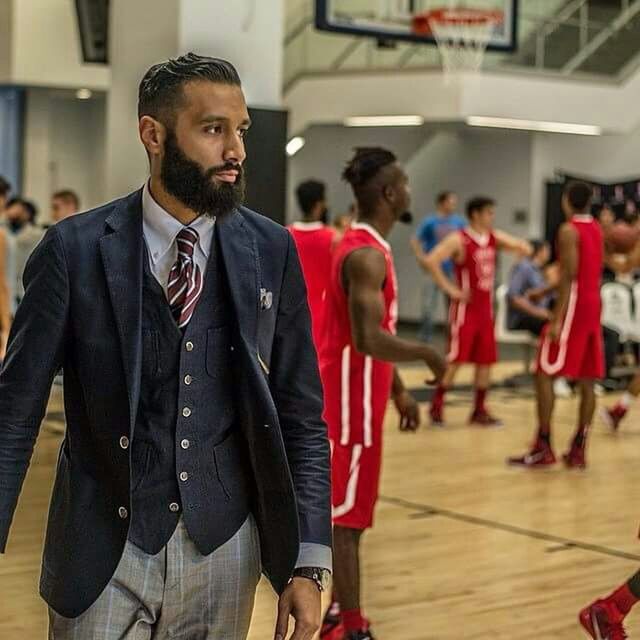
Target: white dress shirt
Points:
(160, 230)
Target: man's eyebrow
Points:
(215, 118)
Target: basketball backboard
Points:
(403, 19)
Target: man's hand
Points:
(409, 411)
(301, 600)
(457, 294)
(4, 338)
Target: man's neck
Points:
(170, 204)
(382, 226)
(443, 214)
(478, 230)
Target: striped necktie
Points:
(185, 279)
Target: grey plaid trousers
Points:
(177, 593)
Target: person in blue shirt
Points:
(434, 228)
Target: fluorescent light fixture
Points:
(384, 121)
(534, 125)
(294, 145)
(84, 94)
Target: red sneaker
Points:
(437, 416)
(483, 418)
(575, 458)
(541, 456)
(613, 417)
(332, 627)
(602, 621)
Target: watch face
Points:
(324, 578)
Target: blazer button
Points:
(124, 442)
(188, 380)
(186, 412)
(184, 476)
(123, 513)
(267, 426)
(174, 507)
(189, 346)
(185, 444)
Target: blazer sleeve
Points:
(297, 392)
(34, 355)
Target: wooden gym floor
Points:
(463, 547)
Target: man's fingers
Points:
(282, 624)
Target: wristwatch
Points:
(320, 576)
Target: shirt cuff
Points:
(314, 555)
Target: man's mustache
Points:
(228, 166)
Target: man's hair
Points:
(68, 196)
(309, 193)
(579, 195)
(31, 208)
(361, 171)
(478, 204)
(5, 187)
(537, 245)
(443, 196)
(161, 89)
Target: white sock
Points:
(627, 400)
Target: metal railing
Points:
(308, 51)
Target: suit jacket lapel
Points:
(121, 249)
(240, 258)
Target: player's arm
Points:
(416, 247)
(507, 242)
(449, 248)
(568, 258)
(364, 274)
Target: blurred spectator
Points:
(21, 216)
(9, 246)
(606, 216)
(6, 271)
(343, 221)
(64, 204)
(529, 293)
(434, 228)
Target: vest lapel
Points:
(121, 250)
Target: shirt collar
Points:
(161, 228)
(481, 238)
(363, 226)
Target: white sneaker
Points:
(561, 388)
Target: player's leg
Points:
(541, 454)
(604, 618)
(346, 579)
(436, 412)
(575, 457)
(614, 415)
(484, 355)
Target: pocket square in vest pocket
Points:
(266, 299)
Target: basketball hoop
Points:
(462, 35)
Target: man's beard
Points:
(196, 187)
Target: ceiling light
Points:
(534, 125)
(84, 94)
(384, 121)
(294, 145)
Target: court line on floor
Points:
(424, 510)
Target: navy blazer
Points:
(82, 311)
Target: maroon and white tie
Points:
(185, 279)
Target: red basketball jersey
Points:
(476, 273)
(314, 242)
(585, 291)
(357, 387)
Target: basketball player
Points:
(358, 350)
(473, 252)
(571, 344)
(314, 241)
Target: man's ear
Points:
(153, 135)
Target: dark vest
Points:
(188, 458)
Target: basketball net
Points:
(462, 36)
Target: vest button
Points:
(124, 442)
(186, 412)
(174, 507)
(188, 379)
(267, 426)
(184, 476)
(189, 346)
(185, 444)
(123, 513)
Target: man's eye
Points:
(214, 129)
(243, 132)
